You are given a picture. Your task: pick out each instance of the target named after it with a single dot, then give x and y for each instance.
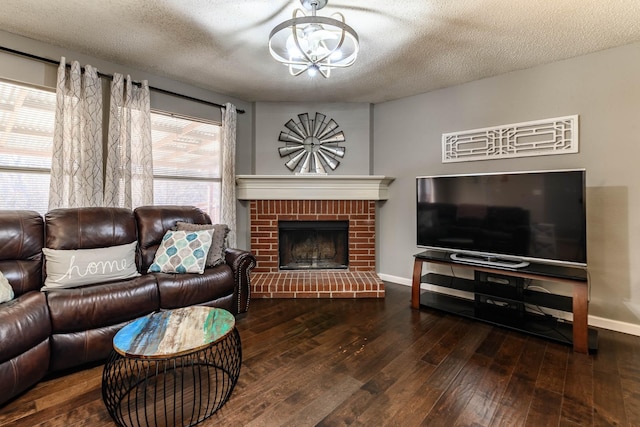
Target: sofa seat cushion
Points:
(79, 348)
(96, 306)
(181, 290)
(23, 371)
(24, 324)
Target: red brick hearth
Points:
(358, 281)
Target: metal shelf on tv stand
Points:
(511, 297)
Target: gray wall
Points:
(352, 118)
(603, 88)
(34, 72)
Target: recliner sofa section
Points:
(25, 324)
(59, 329)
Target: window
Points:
(27, 117)
(186, 154)
(186, 163)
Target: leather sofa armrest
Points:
(241, 262)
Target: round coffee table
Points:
(172, 368)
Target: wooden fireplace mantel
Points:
(313, 187)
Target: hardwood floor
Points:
(370, 362)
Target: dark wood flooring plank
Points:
(266, 391)
(410, 371)
(309, 390)
(345, 342)
(298, 327)
(352, 348)
(628, 355)
(458, 395)
(492, 342)
(15, 411)
(514, 405)
(65, 413)
(88, 415)
(370, 363)
(545, 408)
(553, 368)
(546, 403)
(381, 363)
(443, 347)
(577, 405)
(350, 409)
(608, 395)
(402, 400)
(531, 359)
(448, 369)
(488, 393)
(516, 400)
(313, 413)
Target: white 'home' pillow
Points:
(78, 267)
(6, 291)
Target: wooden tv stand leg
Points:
(580, 320)
(415, 283)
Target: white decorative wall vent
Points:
(536, 138)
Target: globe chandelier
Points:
(315, 44)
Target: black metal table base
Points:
(176, 391)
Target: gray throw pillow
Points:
(216, 254)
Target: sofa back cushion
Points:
(89, 228)
(21, 241)
(154, 221)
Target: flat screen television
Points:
(507, 219)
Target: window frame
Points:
(32, 170)
(214, 213)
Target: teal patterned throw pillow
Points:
(182, 252)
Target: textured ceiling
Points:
(407, 47)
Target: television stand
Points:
(500, 298)
(488, 261)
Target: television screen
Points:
(533, 216)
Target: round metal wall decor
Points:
(311, 145)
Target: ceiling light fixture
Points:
(315, 44)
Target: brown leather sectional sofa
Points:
(42, 332)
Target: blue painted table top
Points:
(174, 332)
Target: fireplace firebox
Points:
(313, 245)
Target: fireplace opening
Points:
(313, 245)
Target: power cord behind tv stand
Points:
(488, 261)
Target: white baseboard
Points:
(614, 325)
(395, 279)
(595, 321)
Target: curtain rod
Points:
(110, 77)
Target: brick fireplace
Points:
(318, 199)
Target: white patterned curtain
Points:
(129, 166)
(228, 208)
(76, 164)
